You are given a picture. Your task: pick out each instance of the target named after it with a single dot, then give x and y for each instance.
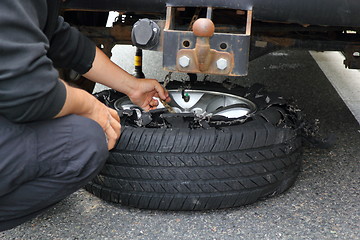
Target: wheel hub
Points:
(202, 103)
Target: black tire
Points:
(219, 166)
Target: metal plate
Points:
(238, 45)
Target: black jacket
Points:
(33, 41)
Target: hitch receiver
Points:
(204, 50)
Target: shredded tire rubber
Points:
(170, 161)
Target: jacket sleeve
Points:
(29, 86)
(70, 49)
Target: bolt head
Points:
(184, 61)
(222, 64)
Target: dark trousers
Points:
(41, 163)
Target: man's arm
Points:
(74, 50)
(140, 91)
(70, 49)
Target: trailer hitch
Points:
(204, 50)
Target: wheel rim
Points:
(201, 103)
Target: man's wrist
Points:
(130, 85)
(77, 102)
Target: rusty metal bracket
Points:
(204, 50)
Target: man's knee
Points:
(69, 148)
(91, 132)
(80, 152)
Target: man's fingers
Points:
(163, 94)
(113, 128)
(167, 96)
(116, 126)
(112, 136)
(114, 114)
(111, 143)
(154, 103)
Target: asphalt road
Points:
(323, 203)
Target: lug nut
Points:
(222, 64)
(184, 61)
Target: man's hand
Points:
(140, 91)
(145, 91)
(108, 119)
(84, 104)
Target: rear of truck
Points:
(243, 30)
